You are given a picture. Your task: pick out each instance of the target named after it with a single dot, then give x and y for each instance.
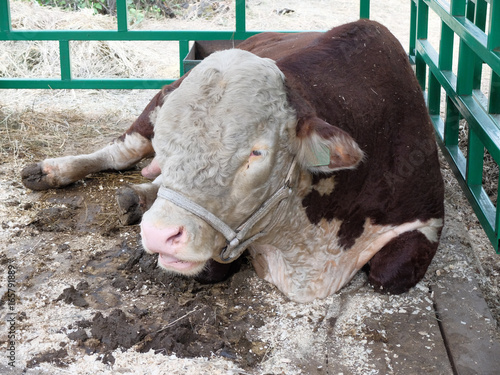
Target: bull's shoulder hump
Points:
(278, 45)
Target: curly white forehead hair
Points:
(205, 128)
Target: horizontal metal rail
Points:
(464, 98)
(163, 35)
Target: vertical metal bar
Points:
(413, 28)
(241, 16)
(422, 24)
(475, 156)
(481, 12)
(470, 10)
(476, 12)
(494, 100)
(364, 9)
(420, 70)
(5, 24)
(64, 60)
(434, 95)
(183, 51)
(446, 47)
(497, 221)
(422, 19)
(480, 22)
(457, 8)
(451, 124)
(474, 9)
(121, 15)
(465, 75)
(494, 27)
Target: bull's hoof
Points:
(34, 178)
(129, 206)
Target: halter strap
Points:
(235, 239)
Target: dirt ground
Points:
(88, 300)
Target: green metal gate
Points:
(464, 99)
(122, 33)
(468, 19)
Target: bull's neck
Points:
(293, 218)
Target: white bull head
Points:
(226, 140)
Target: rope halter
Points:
(236, 241)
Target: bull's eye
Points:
(256, 153)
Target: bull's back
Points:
(358, 78)
(276, 46)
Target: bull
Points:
(314, 151)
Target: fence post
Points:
(434, 95)
(494, 28)
(422, 24)
(364, 9)
(413, 31)
(451, 124)
(4, 16)
(494, 101)
(121, 15)
(476, 13)
(446, 47)
(475, 157)
(240, 16)
(457, 8)
(465, 74)
(65, 60)
(183, 51)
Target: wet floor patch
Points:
(177, 315)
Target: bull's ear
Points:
(322, 147)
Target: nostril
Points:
(177, 237)
(164, 239)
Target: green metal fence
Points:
(122, 33)
(478, 47)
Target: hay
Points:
(102, 59)
(90, 59)
(31, 135)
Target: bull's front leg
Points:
(122, 154)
